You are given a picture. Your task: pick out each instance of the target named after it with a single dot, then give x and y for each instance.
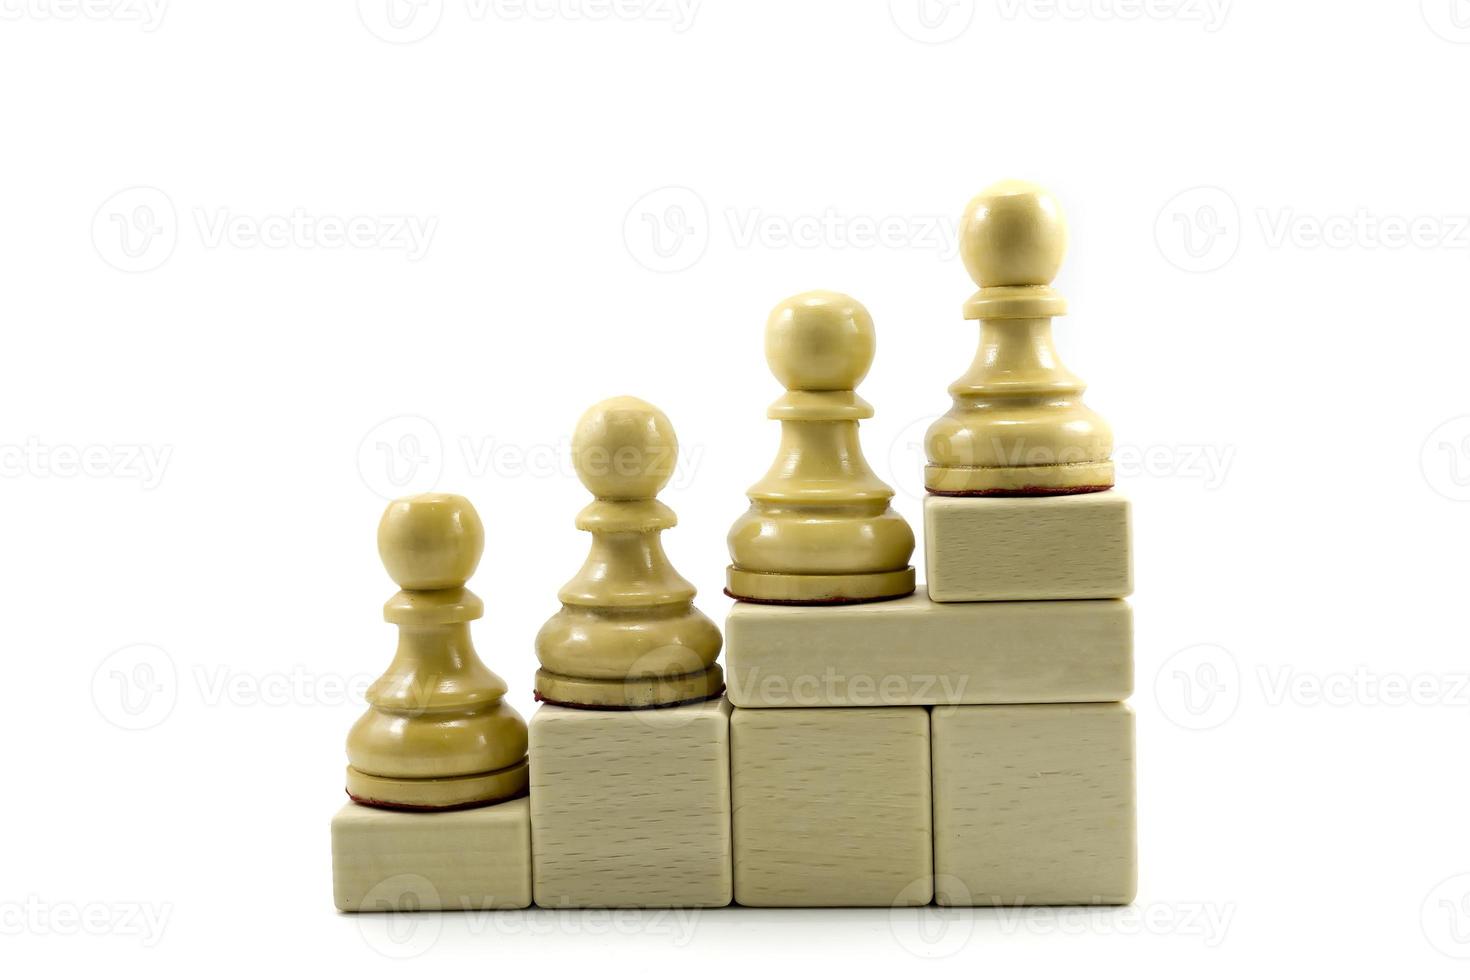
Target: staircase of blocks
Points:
(870, 740)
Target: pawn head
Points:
(624, 449)
(1013, 234)
(820, 341)
(431, 541)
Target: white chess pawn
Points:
(1018, 426)
(627, 635)
(436, 734)
(820, 529)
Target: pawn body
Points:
(820, 529)
(628, 634)
(1018, 425)
(436, 734)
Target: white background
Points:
(1268, 284)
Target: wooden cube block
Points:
(1076, 546)
(631, 809)
(388, 860)
(914, 651)
(832, 806)
(1034, 805)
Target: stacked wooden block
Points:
(974, 737)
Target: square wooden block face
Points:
(386, 860)
(1076, 546)
(914, 651)
(832, 807)
(1034, 805)
(631, 809)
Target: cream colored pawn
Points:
(627, 635)
(820, 529)
(1018, 426)
(436, 734)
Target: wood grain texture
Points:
(831, 807)
(914, 651)
(387, 860)
(1034, 805)
(631, 809)
(1076, 546)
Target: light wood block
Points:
(914, 651)
(1034, 805)
(1076, 546)
(832, 808)
(390, 860)
(631, 809)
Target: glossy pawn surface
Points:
(628, 634)
(820, 529)
(437, 734)
(1018, 426)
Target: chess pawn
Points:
(627, 635)
(819, 529)
(1018, 426)
(436, 734)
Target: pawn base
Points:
(441, 793)
(1018, 481)
(782, 588)
(629, 693)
